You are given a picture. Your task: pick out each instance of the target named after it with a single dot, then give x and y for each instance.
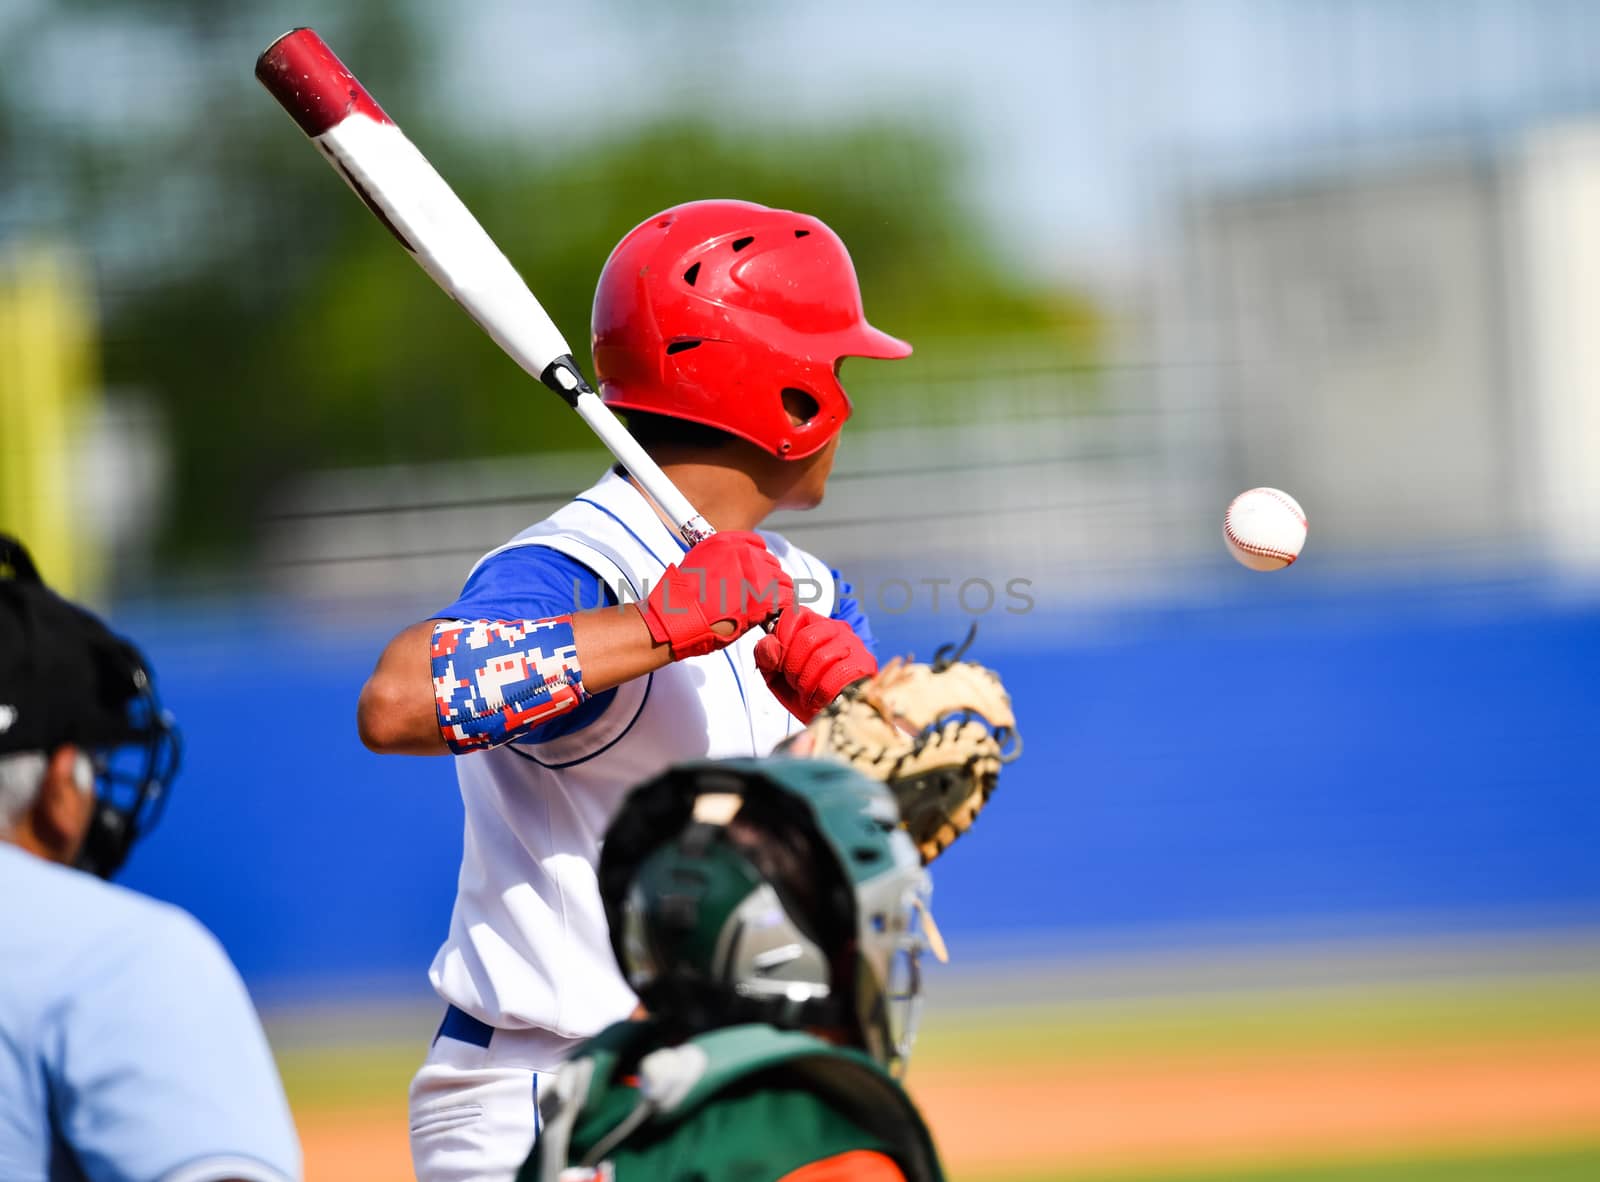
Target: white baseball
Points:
(1265, 528)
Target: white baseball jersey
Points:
(528, 947)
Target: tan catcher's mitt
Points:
(936, 734)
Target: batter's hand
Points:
(731, 579)
(809, 658)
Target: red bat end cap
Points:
(312, 84)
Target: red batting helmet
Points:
(709, 311)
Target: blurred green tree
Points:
(282, 331)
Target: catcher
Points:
(771, 915)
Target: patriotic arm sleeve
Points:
(496, 680)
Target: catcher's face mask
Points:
(894, 929)
(705, 937)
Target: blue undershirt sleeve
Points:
(847, 608)
(536, 583)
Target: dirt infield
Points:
(364, 1143)
(1188, 1111)
(1212, 1111)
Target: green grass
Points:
(1439, 1013)
(1579, 1164)
(1389, 1015)
(344, 1076)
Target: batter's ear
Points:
(65, 805)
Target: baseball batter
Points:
(595, 648)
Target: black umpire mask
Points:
(66, 678)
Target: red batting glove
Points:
(729, 576)
(809, 658)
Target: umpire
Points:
(129, 1050)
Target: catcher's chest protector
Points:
(742, 1102)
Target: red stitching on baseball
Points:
(1283, 499)
(1252, 547)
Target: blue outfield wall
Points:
(1421, 757)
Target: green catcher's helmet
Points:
(778, 890)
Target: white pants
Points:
(475, 1109)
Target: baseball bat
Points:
(408, 196)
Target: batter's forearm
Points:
(400, 712)
(615, 646)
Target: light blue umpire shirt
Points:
(129, 1050)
